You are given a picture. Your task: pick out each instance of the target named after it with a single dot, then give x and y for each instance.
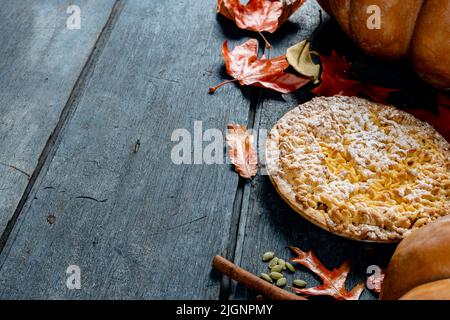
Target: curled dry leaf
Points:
(335, 80)
(241, 151)
(333, 281)
(244, 66)
(258, 15)
(299, 57)
(375, 281)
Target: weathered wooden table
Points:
(86, 177)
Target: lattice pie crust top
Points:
(360, 169)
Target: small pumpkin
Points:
(417, 29)
(437, 290)
(420, 266)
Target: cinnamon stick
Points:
(251, 281)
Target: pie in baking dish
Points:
(360, 169)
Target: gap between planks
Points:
(243, 192)
(241, 201)
(69, 109)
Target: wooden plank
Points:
(137, 225)
(40, 61)
(267, 222)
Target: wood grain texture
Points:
(267, 222)
(40, 60)
(136, 224)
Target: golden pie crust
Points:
(359, 169)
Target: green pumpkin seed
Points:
(290, 267)
(276, 275)
(276, 268)
(268, 256)
(273, 262)
(300, 283)
(281, 282)
(266, 277)
(282, 263)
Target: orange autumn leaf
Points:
(289, 7)
(258, 15)
(244, 66)
(336, 80)
(333, 281)
(241, 151)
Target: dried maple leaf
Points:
(333, 281)
(242, 153)
(289, 7)
(244, 66)
(335, 80)
(258, 15)
(439, 119)
(443, 100)
(375, 281)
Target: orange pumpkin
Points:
(420, 266)
(437, 290)
(417, 29)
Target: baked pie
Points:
(359, 169)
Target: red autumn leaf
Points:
(333, 281)
(375, 281)
(241, 152)
(444, 100)
(335, 80)
(244, 66)
(258, 15)
(439, 119)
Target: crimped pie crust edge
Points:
(372, 233)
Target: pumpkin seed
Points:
(281, 282)
(268, 256)
(282, 263)
(266, 277)
(300, 283)
(276, 268)
(273, 262)
(290, 267)
(276, 275)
